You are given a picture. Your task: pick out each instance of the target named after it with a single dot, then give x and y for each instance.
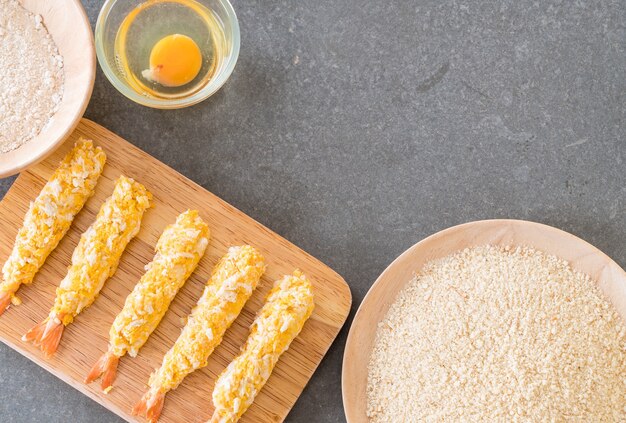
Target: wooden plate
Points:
(69, 27)
(87, 338)
(581, 255)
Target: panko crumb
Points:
(499, 334)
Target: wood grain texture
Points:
(582, 256)
(69, 27)
(87, 338)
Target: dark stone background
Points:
(356, 128)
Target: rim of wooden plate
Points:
(581, 255)
(69, 27)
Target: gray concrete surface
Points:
(356, 128)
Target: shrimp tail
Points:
(151, 405)
(106, 366)
(5, 301)
(35, 333)
(46, 335)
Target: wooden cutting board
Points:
(86, 339)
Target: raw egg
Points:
(175, 60)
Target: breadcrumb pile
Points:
(499, 334)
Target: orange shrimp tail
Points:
(35, 333)
(140, 408)
(5, 301)
(106, 366)
(46, 335)
(151, 405)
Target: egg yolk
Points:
(174, 61)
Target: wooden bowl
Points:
(581, 255)
(68, 25)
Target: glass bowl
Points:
(111, 17)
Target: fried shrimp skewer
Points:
(50, 216)
(231, 284)
(94, 260)
(288, 306)
(178, 251)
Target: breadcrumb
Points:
(499, 334)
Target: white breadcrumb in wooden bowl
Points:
(496, 320)
(51, 102)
